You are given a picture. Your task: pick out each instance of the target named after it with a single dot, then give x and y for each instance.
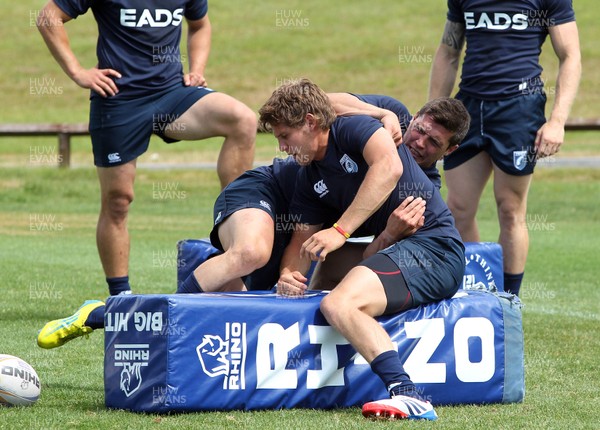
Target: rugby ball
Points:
(19, 383)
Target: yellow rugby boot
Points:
(58, 332)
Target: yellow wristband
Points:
(341, 230)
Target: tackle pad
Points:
(257, 350)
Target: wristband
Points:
(341, 230)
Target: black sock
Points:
(95, 319)
(190, 285)
(118, 285)
(512, 282)
(388, 367)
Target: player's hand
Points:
(392, 125)
(322, 243)
(549, 138)
(291, 284)
(99, 80)
(406, 219)
(194, 80)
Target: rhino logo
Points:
(478, 274)
(131, 378)
(225, 355)
(212, 353)
(131, 357)
(470, 283)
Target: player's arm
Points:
(565, 41)
(346, 104)
(50, 24)
(198, 46)
(385, 169)
(403, 222)
(445, 62)
(294, 266)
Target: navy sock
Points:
(95, 319)
(190, 285)
(118, 285)
(512, 282)
(388, 367)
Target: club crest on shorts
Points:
(520, 159)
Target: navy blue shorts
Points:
(505, 129)
(432, 269)
(121, 128)
(256, 190)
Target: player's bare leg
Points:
(350, 308)
(511, 202)
(329, 273)
(217, 114)
(247, 237)
(112, 236)
(465, 185)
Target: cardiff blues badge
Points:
(520, 159)
(349, 164)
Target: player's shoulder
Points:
(342, 122)
(353, 131)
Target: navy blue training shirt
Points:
(504, 40)
(404, 117)
(139, 39)
(284, 171)
(327, 187)
(389, 103)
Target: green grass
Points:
(49, 272)
(345, 46)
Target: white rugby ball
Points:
(19, 383)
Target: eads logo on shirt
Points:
(495, 21)
(147, 17)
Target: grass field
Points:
(49, 266)
(48, 257)
(342, 46)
